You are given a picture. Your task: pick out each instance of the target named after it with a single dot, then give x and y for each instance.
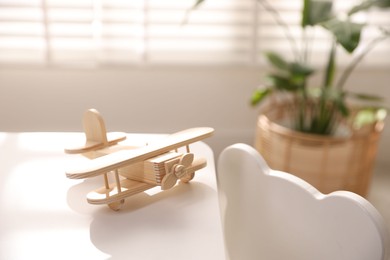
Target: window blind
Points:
(112, 32)
(161, 32)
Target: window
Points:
(110, 32)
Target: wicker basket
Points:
(328, 163)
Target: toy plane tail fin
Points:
(94, 127)
(96, 134)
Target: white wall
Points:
(152, 100)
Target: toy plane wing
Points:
(111, 195)
(122, 158)
(112, 139)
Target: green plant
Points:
(318, 109)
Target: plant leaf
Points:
(369, 116)
(197, 3)
(366, 97)
(382, 3)
(300, 69)
(306, 13)
(343, 109)
(316, 11)
(259, 95)
(368, 4)
(187, 14)
(277, 60)
(330, 67)
(361, 7)
(281, 82)
(347, 33)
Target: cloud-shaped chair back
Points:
(273, 215)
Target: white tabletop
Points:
(44, 215)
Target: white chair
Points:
(273, 215)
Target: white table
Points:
(44, 215)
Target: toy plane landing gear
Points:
(135, 169)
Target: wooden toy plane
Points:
(135, 169)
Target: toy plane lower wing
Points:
(120, 159)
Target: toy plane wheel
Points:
(117, 205)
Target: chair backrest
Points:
(268, 214)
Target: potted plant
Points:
(314, 131)
(311, 130)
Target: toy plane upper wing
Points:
(120, 159)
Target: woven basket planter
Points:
(328, 163)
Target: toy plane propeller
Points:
(135, 169)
